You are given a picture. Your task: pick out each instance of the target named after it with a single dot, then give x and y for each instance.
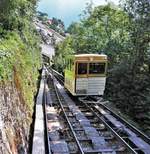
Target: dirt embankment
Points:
(15, 120)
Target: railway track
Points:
(84, 126)
(58, 76)
(136, 140)
(59, 134)
(101, 104)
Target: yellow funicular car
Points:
(85, 74)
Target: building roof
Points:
(90, 55)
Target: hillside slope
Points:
(19, 65)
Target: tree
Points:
(139, 14)
(62, 51)
(130, 80)
(104, 30)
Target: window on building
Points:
(97, 68)
(82, 68)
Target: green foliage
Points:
(42, 16)
(14, 13)
(62, 51)
(19, 47)
(102, 30)
(130, 93)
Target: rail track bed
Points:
(83, 126)
(136, 140)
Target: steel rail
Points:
(133, 128)
(60, 78)
(72, 130)
(112, 130)
(46, 121)
(58, 73)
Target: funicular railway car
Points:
(85, 74)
